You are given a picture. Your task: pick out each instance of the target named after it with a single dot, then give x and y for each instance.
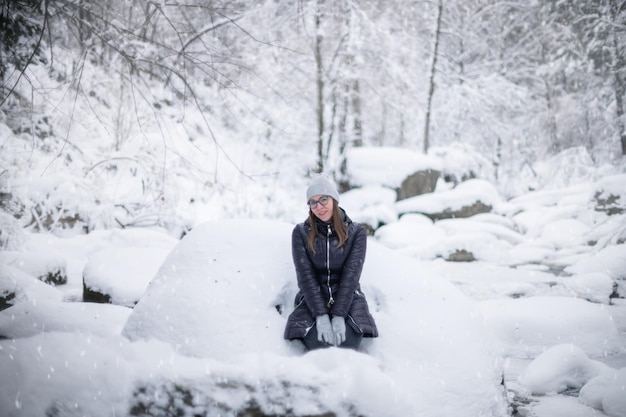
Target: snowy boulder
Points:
(16, 287)
(484, 237)
(614, 400)
(457, 240)
(374, 217)
(493, 224)
(120, 275)
(606, 393)
(564, 233)
(387, 166)
(472, 246)
(414, 231)
(596, 287)
(46, 267)
(462, 162)
(560, 368)
(465, 200)
(610, 230)
(418, 183)
(6, 298)
(610, 261)
(528, 326)
(532, 221)
(370, 206)
(224, 293)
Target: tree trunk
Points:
(357, 124)
(343, 141)
(553, 128)
(431, 86)
(619, 65)
(498, 159)
(320, 90)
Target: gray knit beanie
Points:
(322, 185)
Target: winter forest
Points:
(131, 125)
(177, 97)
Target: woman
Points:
(328, 252)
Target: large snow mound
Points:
(216, 293)
(219, 294)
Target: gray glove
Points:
(339, 329)
(324, 329)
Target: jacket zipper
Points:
(355, 323)
(331, 301)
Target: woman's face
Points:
(322, 207)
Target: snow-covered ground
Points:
(537, 307)
(216, 310)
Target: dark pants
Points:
(353, 339)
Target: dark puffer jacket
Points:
(329, 279)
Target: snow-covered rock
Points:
(461, 161)
(370, 205)
(564, 233)
(387, 166)
(596, 287)
(484, 223)
(559, 368)
(473, 246)
(121, 275)
(610, 261)
(469, 198)
(532, 221)
(606, 392)
(46, 267)
(412, 230)
(17, 286)
(420, 182)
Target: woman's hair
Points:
(338, 225)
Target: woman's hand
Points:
(339, 329)
(324, 329)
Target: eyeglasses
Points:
(323, 201)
